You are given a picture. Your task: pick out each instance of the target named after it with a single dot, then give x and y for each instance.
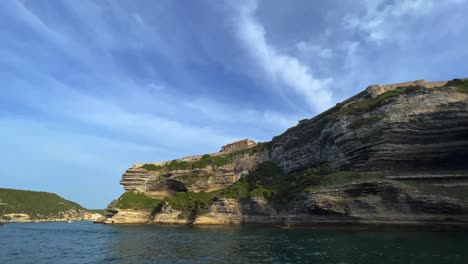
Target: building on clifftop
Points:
(238, 145)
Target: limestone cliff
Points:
(207, 173)
(408, 130)
(391, 156)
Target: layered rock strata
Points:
(415, 135)
(164, 182)
(421, 131)
(382, 204)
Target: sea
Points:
(85, 242)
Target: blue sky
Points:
(90, 87)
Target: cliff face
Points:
(391, 156)
(378, 203)
(412, 131)
(183, 176)
(381, 202)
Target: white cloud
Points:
(35, 22)
(289, 71)
(218, 113)
(383, 20)
(311, 50)
(137, 125)
(350, 49)
(149, 114)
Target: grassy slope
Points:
(137, 201)
(34, 203)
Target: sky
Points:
(90, 87)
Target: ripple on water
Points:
(83, 242)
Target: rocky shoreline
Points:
(365, 205)
(294, 221)
(25, 218)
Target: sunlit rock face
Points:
(417, 131)
(166, 182)
(410, 141)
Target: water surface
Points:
(83, 242)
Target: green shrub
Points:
(267, 172)
(137, 201)
(191, 203)
(458, 85)
(262, 192)
(264, 181)
(179, 165)
(220, 161)
(201, 163)
(462, 87)
(151, 167)
(455, 82)
(237, 190)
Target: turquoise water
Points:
(83, 242)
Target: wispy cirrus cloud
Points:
(383, 20)
(285, 69)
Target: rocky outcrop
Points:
(417, 131)
(376, 89)
(129, 216)
(226, 211)
(410, 139)
(165, 182)
(377, 204)
(171, 217)
(136, 178)
(379, 201)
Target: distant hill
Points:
(32, 205)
